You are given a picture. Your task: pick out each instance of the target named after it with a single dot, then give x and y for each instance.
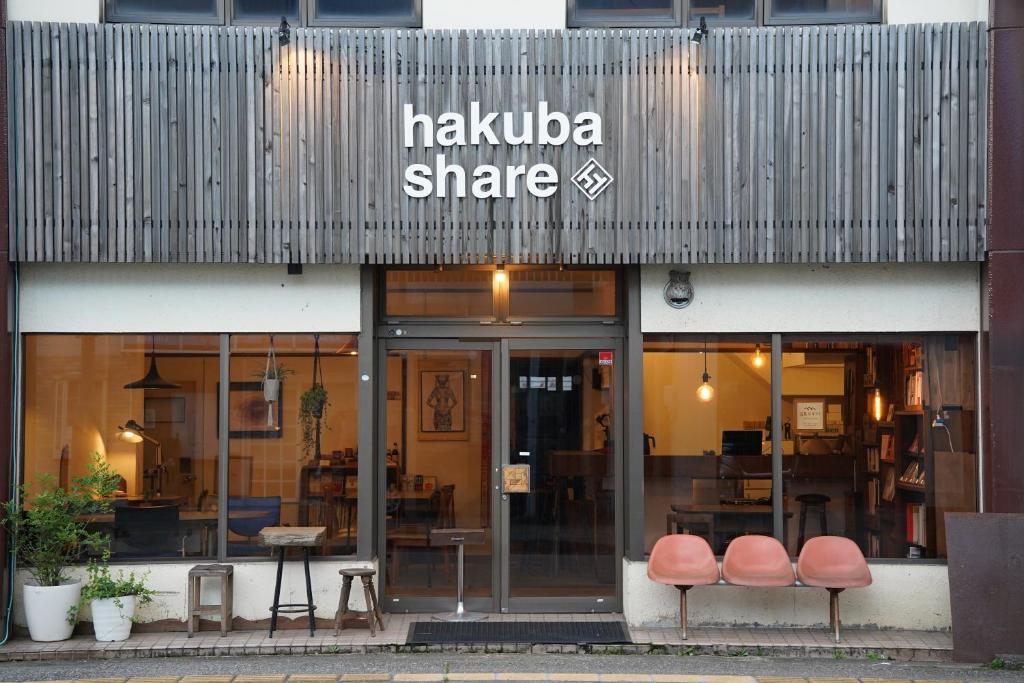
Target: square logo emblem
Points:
(592, 179)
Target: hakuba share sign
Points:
(487, 181)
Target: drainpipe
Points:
(8, 372)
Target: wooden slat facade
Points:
(816, 144)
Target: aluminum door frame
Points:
(439, 603)
(611, 603)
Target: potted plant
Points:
(271, 379)
(51, 533)
(311, 411)
(113, 600)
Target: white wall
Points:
(493, 14)
(904, 596)
(253, 588)
(78, 11)
(188, 298)
(923, 11)
(898, 297)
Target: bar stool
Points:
(222, 572)
(282, 538)
(458, 537)
(808, 501)
(372, 615)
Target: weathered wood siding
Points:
(207, 144)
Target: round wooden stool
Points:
(808, 501)
(372, 615)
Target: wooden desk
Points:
(205, 518)
(723, 509)
(724, 519)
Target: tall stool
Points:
(458, 537)
(223, 572)
(808, 501)
(372, 614)
(282, 538)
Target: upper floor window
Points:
(721, 12)
(298, 12)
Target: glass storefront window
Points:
(452, 293)
(707, 452)
(93, 393)
(879, 440)
(293, 461)
(547, 293)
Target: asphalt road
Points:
(518, 663)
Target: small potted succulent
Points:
(52, 533)
(113, 600)
(271, 380)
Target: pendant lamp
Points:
(705, 392)
(152, 380)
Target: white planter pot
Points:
(111, 622)
(271, 389)
(46, 610)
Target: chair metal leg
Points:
(277, 592)
(833, 610)
(309, 592)
(683, 616)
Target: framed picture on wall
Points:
(442, 405)
(250, 416)
(810, 414)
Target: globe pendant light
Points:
(152, 380)
(705, 392)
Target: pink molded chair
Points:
(683, 561)
(757, 561)
(834, 563)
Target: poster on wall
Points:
(248, 412)
(810, 415)
(443, 405)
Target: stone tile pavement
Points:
(445, 677)
(920, 646)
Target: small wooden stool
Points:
(372, 615)
(807, 502)
(282, 538)
(196, 609)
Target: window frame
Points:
(877, 17)
(308, 17)
(112, 14)
(611, 19)
(413, 20)
(757, 20)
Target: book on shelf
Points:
(917, 530)
(888, 450)
(915, 446)
(910, 474)
(874, 545)
(915, 382)
(872, 497)
(873, 459)
(889, 487)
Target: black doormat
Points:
(531, 632)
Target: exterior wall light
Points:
(701, 31)
(678, 292)
(284, 32)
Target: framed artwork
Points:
(442, 405)
(249, 414)
(163, 409)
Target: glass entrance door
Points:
(436, 434)
(560, 493)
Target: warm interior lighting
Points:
(130, 432)
(705, 392)
(758, 359)
(876, 404)
(499, 275)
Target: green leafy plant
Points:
(279, 371)
(997, 663)
(876, 656)
(311, 410)
(52, 532)
(102, 585)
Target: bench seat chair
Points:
(757, 561)
(834, 563)
(683, 561)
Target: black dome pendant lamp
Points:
(152, 380)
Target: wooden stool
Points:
(196, 609)
(282, 538)
(372, 615)
(807, 501)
